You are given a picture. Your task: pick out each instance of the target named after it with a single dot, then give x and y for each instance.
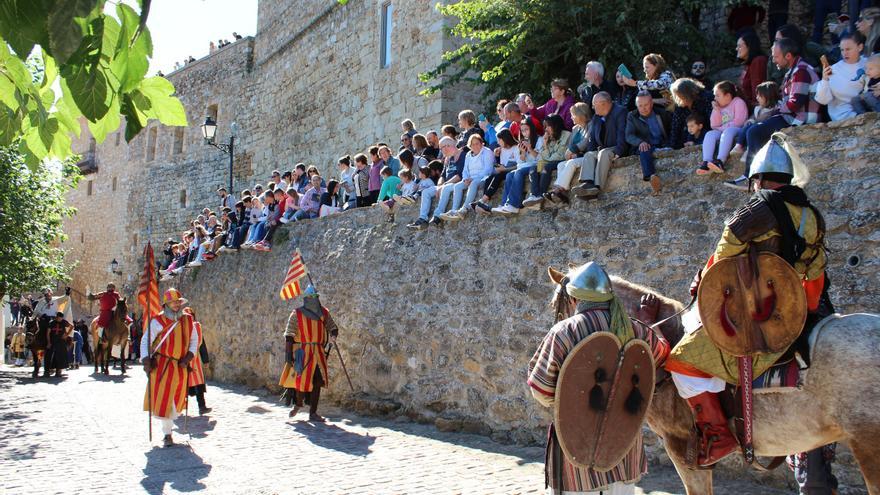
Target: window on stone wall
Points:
(93, 145)
(385, 41)
(183, 198)
(82, 238)
(212, 112)
(118, 137)
(178, 140)
(114, 184)
(134, 240)
(89, 187)
(152, 137)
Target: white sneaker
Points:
(222, 248)
(166, 278)
(446, 216)
(283, 219)
(509, 209)
(194, 264)
(533, 202)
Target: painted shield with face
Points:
(752, 303)
(602, 396)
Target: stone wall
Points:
(439, 325)
(308, 88)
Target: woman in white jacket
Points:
(843, 81)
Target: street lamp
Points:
(209, 131)
(114, 265)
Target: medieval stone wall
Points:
(439, 325)
(308, 88)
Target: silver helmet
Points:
(779, 156)
(589, 282)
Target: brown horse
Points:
(116, 333)
(837, 403)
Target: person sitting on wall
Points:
(594, 83)
(646, 131)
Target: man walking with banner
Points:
(166, 360)
(309, 329)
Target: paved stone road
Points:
(86, 433)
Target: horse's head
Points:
(122, 307)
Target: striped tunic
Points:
(197, 372)
(560, 475)
(168, 381)
(311, 335)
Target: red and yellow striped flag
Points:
(292, 286)
(148, 290)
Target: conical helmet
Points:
(310, 291)
(589, 282)
(772, 158)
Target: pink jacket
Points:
(734, 114)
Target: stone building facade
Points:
(311, 86)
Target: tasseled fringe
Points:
(634, 401)
(597, 397)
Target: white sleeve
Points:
(823, 92)
(193, 341)
(146, 340)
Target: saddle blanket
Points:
(780, 375)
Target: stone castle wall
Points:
(440, 325)
(308, 88)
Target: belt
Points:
(311, 343)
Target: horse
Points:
(837, 403)
(36, 340)
(116, 333)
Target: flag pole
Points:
(149, 321)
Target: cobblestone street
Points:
(86, 433)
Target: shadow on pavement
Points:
(332, 437)
(101, 377)
(179, 467)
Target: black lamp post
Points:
(209, 131)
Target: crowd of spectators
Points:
(576, 133)
(212, 47)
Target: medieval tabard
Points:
(197, 372)
(311, 336)
(107, 303)
(561, 476)
(757, 225)
(171, 340)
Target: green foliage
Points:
(31, 213)
(511, 46)
(97, 61)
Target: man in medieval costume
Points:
(45, 310)
(196, 385)
(778, 219)
(309, 329)
(56, 351)
(168, 349)
(589, 293)
(106, 305)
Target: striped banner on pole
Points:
(292, 286)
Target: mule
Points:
(116, 333)
(837, 403)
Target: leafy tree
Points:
(94, 65)
(31, 213)
(511, 46)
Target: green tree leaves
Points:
(99, 61)
(31, 213)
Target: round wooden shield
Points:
(588, 369)
(745, 313)
(631, 395)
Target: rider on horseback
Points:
(107, 303)
(777, 219)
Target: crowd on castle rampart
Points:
(550, 153)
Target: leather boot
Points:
(716, 440)
(314, 397)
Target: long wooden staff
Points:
(150, 374)
(341, 361)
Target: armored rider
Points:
(309, 329)
(588, 292)
(779, 219)
(107, 303)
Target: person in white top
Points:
(843, 81)
(478, 164)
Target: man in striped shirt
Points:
(589, 291)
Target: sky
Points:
(181, 28)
